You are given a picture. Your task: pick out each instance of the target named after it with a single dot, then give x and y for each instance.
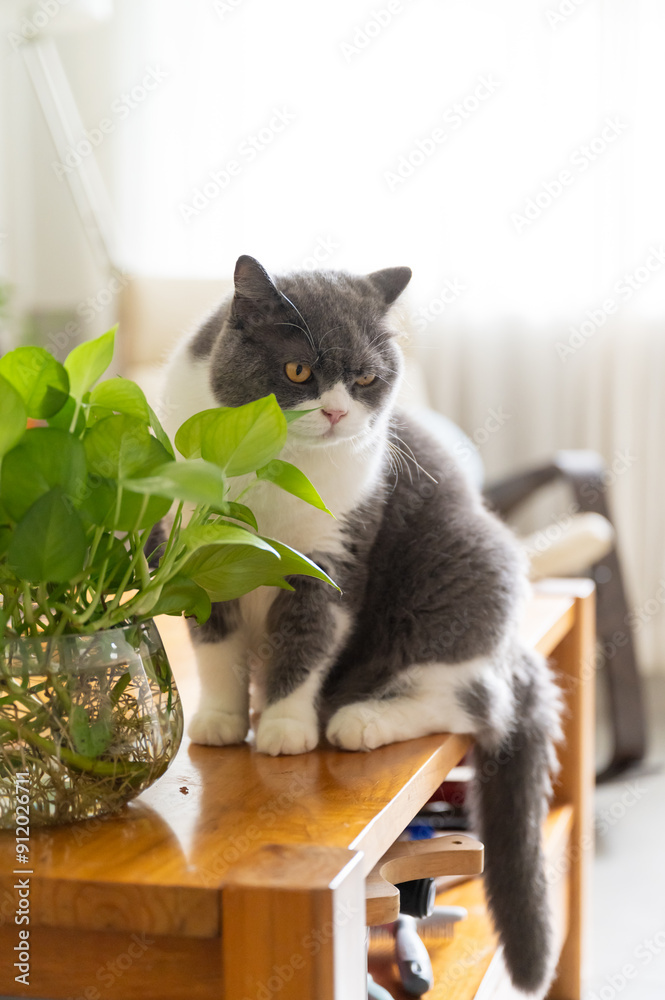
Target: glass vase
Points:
(86, 722)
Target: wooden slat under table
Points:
(151, 902)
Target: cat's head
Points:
(317, 340)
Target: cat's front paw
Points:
(286, 735)
(357, 727)
(215, 728)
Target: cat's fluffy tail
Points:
(513, 784)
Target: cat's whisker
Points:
(403, 460)
(394, 468)
(411, 457)
(328, 350)
(398, 457)
(381, 335)
(295, 327)
(307, 330)
(331, 330)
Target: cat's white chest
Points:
(343, 476)
(343, 479)
(296, 523)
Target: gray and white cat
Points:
(423, 638)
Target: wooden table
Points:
(240, 876)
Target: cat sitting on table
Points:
(424, 636)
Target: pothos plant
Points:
(87, 704)
(81, 492)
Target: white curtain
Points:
(520, 404)
(517, 97)
(511, 153)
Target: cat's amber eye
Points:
(365, 379)
(297, 371)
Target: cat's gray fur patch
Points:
(223, 621)
(307, 645)
(440, 575)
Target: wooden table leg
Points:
(575, 663)
(293, 925)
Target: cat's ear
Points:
(390, 282)
(252, 281)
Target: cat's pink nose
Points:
(334, 416)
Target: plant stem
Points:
(118, 503)
(175, 530)
(92, 606)
(75, 760)
(77, 410)
(142, 539)
(10, 606)
(143, 568)
(65, 610)
(244, 492)
(99, 531)
(43, 602)
(19, 695)
(139, 517)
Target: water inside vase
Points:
(86, 722)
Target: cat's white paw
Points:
(358, 727)
(275, 736)
(216, 728)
